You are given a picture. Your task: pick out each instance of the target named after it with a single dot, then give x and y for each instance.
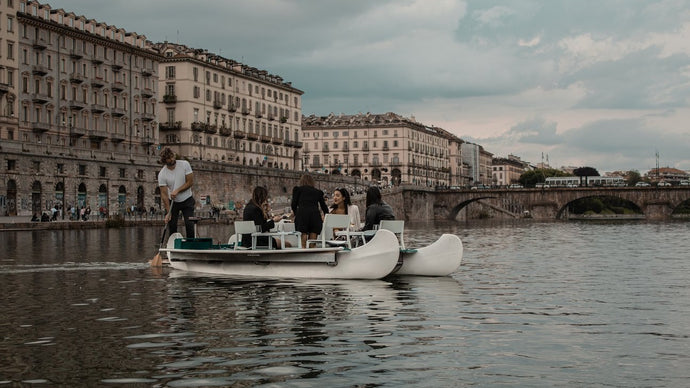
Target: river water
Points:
(534, 304)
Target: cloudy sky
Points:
(602, 83)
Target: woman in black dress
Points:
(306, 200)
(257, 210)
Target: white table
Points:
(362, 234)
(279, 234)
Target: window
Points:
(82, 169)
(197, 92)
(10, 24)
(101, 171)
(170, 89)
(123, 173)
(11, 164)
(10, 50)
(60, 168)
(195, 71)
(170, 72)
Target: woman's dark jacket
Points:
(254, 213)
(377, 212)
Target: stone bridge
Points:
(549, 203)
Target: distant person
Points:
(306, 200)
(258, 210)
(35, 218)
(342, 204)
(175, 181)
(377, 210)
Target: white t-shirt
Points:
(175, 178)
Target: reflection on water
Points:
(534, 304)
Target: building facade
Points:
(382, 148)
(478, 163)
(507, 171)
(214, 108)
(85, 114)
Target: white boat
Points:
(441, 258)
(377, 259)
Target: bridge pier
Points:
(657, 210)
(544, 210)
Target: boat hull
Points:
(374, 260)
(441, 258)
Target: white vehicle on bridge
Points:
(574, 181)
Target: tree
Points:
(585, 172)
(632, 177)
(532, 177)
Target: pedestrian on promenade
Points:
(176, 180)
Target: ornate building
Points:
(214, 108)
(85, 110)
(384, 148)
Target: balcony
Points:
(217, 104)
(77, 132)
(148, 140)
(315, 165)
(97, 135)
(169, 98)
(77, 105)
(170, 126)
(290, 143)
(245, 111)
(147, 92)
(76, 54)
(232, 108)
(239, 135)
(148, 116)
(39, 44)
(225, 131)
(117, 137)
(117, 86)
(39, 70)
(276, 140)
(39, 127)
(252, 136)
(4, 88)
(40, 98)
(211, 128)
(97, 82)
(198, 126)
(97, 60)
(270, 117)
(98, 108)
(265, 139)
(116, 67)
(147, 72)
(117, 112)
(283, 120)
(355, 164)
(76, 78)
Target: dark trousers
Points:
(187, 209)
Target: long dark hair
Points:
(373, 196)
(259, 197)
(346, 199)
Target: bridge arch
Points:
(615, 203)
(456, 209)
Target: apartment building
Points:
(507, 171)
(478, 162)
(83, 93)
(214, 108)
(383, 148)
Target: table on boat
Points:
(363, 234)
(280, 234)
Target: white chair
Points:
(330, 222)
(397, 227)
(241, 228)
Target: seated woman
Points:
(257, 210)
(342, 204)
(377, 210)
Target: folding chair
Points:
(397, 227)
(243, 227)
(330, 222)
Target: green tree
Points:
(585, 172)
(532, 177)
(632, 177)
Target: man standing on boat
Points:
(175, 180)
